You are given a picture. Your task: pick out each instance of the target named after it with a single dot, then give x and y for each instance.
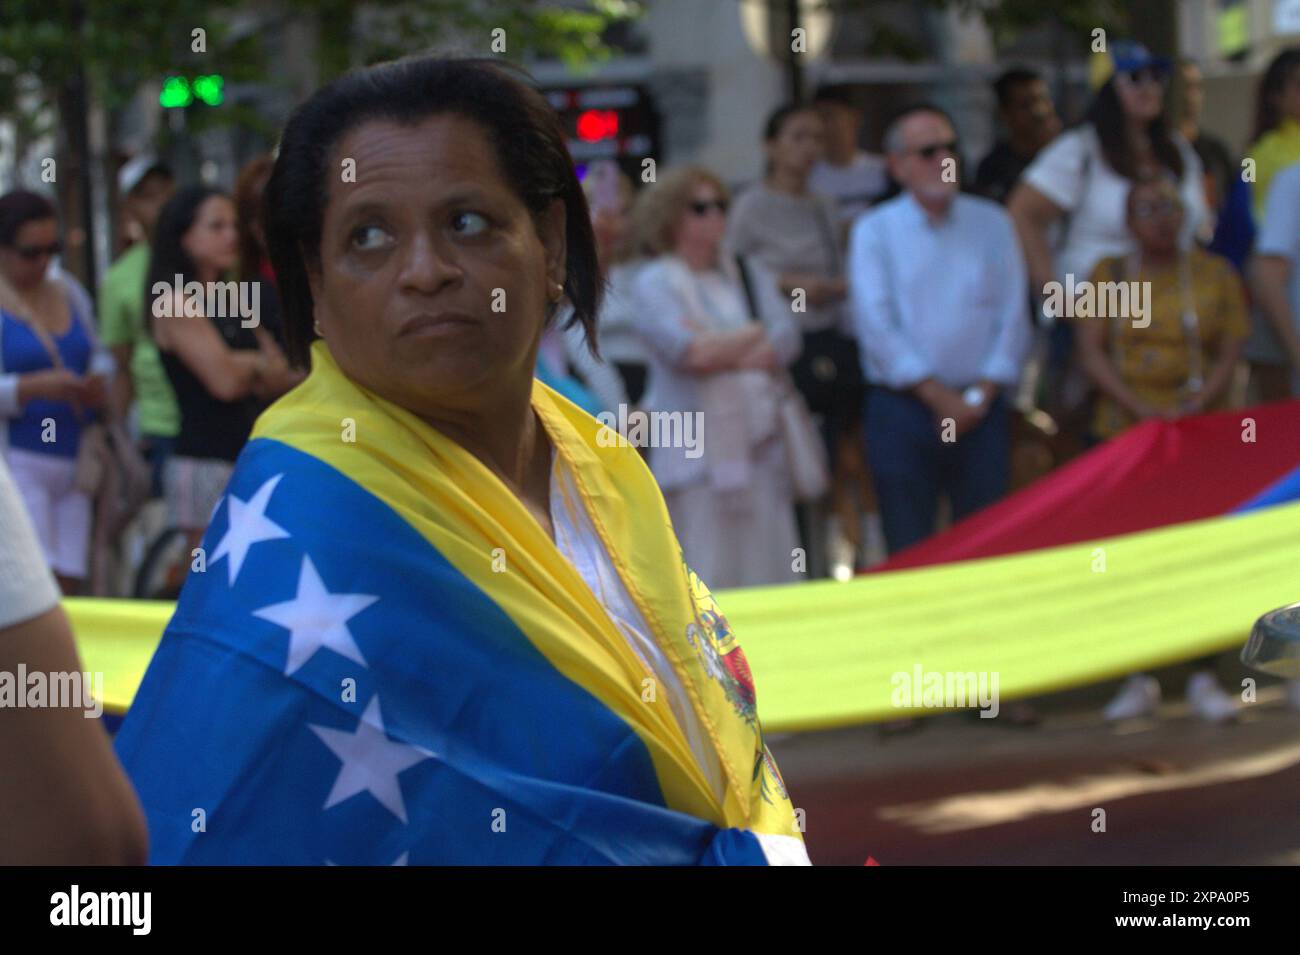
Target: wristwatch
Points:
(973, 396)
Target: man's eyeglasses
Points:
(929, 152)
(33, 252)
(702, 208)
(1158, 207)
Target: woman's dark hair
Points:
(776, 121)
(1106, 114)
(248, 214)
(1267, 114)
(167, 257)
(1010, 80)
(777, 118)
(19, 207)
(525, 133)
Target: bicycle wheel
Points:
(165, 564)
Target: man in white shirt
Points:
(1275, 270)
(937, 289)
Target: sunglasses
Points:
(1148, 74)
(33, 252)
(929, 152)
(1160, 207)
(702, 208)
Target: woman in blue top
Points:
(51, 381)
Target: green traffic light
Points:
(208, 88)
(178, 92)
(175, 92)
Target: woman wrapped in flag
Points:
(440, 615)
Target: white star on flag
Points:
(316, 618)
(371, 762)
(249, 525)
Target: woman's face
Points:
(1155, 215)
(213, 240)
(704, 222)
(1141, 93)
(798, 145)
(611, 226)
(433, 280)
(24, 263)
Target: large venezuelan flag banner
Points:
(1161, 545)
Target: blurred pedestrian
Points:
(54, 377)
(1178, 359)
(1276, 145)
(1028, 116)
(219, 368)
(145, 185)
(936, 279)
(1228, 229)
(64, 799)
(785, 224)
(1275, 281)
(1275, 269)
(853, 177)
(1082, 178)
(609, 196)
(1275, 272)
(729, 493)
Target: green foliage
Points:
(124, 43)
(1006, 20)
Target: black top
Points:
(211, 428)
(999, 171)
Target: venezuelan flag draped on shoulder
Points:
(387, 660)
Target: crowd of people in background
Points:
(889, 302)
(928, 345)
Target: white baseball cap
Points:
(135, 169)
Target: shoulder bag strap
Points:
(828, 238)
(47, 342)
(748, 286)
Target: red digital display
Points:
(597, 124)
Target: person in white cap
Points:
(145, 184)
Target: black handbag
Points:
(828, 371)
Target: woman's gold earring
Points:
(316, 326)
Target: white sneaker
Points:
(1208, 700)
(1293, 694)
(1139, 696)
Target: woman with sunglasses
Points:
(52, 381)
(730, 496)
(1078, 184)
